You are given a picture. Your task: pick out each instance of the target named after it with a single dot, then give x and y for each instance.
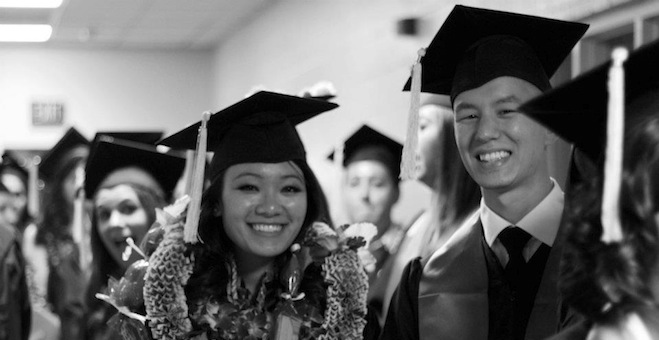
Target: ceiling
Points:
(143, 24)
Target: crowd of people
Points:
(228, 233)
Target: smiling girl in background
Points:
(126, 182)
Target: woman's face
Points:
(430, 129)
(369, 192)
(120, 215)
(17, 188)
(8, 212)
(263, 207)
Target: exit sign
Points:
(47, 113)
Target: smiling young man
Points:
(496, 277)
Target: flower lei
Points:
(170, 267)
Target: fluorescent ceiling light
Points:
(31, 3)
(25, 33)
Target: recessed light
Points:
(31, 3)
(25, 33)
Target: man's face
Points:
(501, 148)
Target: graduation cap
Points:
(476, 45)
(115, 161)
(368, 144)
(72, 142)
(145, 137)
(577, 111)
(591, 113)
(259, 128)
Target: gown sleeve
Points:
(403, 316)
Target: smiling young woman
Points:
(126, 182)
(263, 258)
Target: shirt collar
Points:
(541, 222)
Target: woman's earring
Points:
(217, 211)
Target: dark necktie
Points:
(514, 239)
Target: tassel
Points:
(192, 220)
(78, 206)
(33, 187)
(188, 171)
(78, 229)
(611, 227)
(338, 158)
(408, 163)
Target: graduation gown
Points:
(15, 309)
(447, 298)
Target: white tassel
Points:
(79, 230)
(78, 206)
(188, 172)
(338, 158)
(190, 234)
(33, 186)
(612, 231)
(408, 163)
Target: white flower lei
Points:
(170, 269)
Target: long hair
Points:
(459, 194)
(103, 265)
(24, 216)
(57, 210)
(212, 256)
(606, 281)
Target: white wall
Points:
(293, 44)
(350, 43)
(354, 44)
(101, 89)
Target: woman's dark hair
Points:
(606, 281)
(103, 266)
(24, 217)
(57, 210)
(211, 256)
(458, 191)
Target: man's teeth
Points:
(269, 228)
(493, 156)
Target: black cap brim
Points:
(296, 109)
(577, 111)
(552, 40)
(366, 137)
(51, 161)
(110, 154)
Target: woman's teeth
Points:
(268, 228)
(493, 156)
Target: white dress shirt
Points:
(541, 223)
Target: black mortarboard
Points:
(110, 156)
(51, 161)
(369, 144)
(145, 137)
(577, 111)
(476, 45)
(259, 128)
